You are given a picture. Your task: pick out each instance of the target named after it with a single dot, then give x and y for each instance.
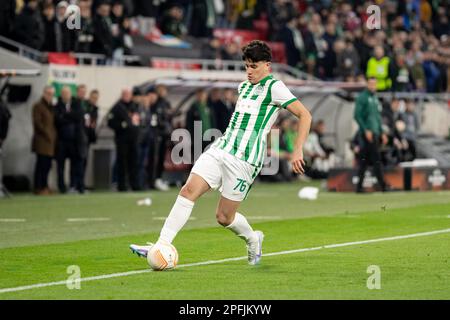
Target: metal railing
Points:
(226, 65)
(81, 58)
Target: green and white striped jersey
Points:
(256, 110)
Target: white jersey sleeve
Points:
(281, 95)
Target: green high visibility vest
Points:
(380, 70)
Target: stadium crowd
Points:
(327, 39)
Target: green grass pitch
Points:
(40, 237)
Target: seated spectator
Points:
(318, 158)
(172, 22)
(412, 126)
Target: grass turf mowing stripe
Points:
(330, 246)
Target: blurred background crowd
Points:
(326, 39)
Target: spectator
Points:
(50, 25)
(232, 52)
(379, 67)
(28, 27)
(199, 111)
(291, 36)
(201, 18)
(7, 17)
(220, 113)
(103, 37)
(412, 126)
(172, 22)
(124, 120)
(321, 158)
(147, 101)
(120, 30)
(44, 139)
(72, 140)
(90, 123)
(85, 36)
(65, 38)
(161, 127)
(401, 75)
(91, 116)
(347, 60)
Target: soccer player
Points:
(234, 160)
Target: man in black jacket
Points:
(72, 140)
(29, 28)
(103, 38)
(161, 128)
(124, 120)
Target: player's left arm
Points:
(284, 98)
(299, 110)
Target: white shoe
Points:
(254, 248)
(141, 251)
(161, 185)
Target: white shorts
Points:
(221, 170)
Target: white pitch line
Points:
(129, 273)
(12, 220)
(263, 217)
(86, 219)
(164, 218)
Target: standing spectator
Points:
(293, 42)
(202, 18)
(379, 67)
(103, 37)
(222, 115)
(161, 128)
(28, 27)
(90, 109)
(85, 35)
(7, 16)
(44, 139)
(219, 110)
(91, 116)
(124, 120)
(327, 56)
(147, 102)
(120, 28)
(199, 111)
(65, 38)
(347, 60)
(72, 141)
(401, 75)
(368, 117)
(49, 20)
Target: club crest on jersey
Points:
(259, 90)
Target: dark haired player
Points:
(234, 160)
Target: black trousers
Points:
(41, 171)
(156, 157)
(68, 150)
(370, 155)
(127, 164)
